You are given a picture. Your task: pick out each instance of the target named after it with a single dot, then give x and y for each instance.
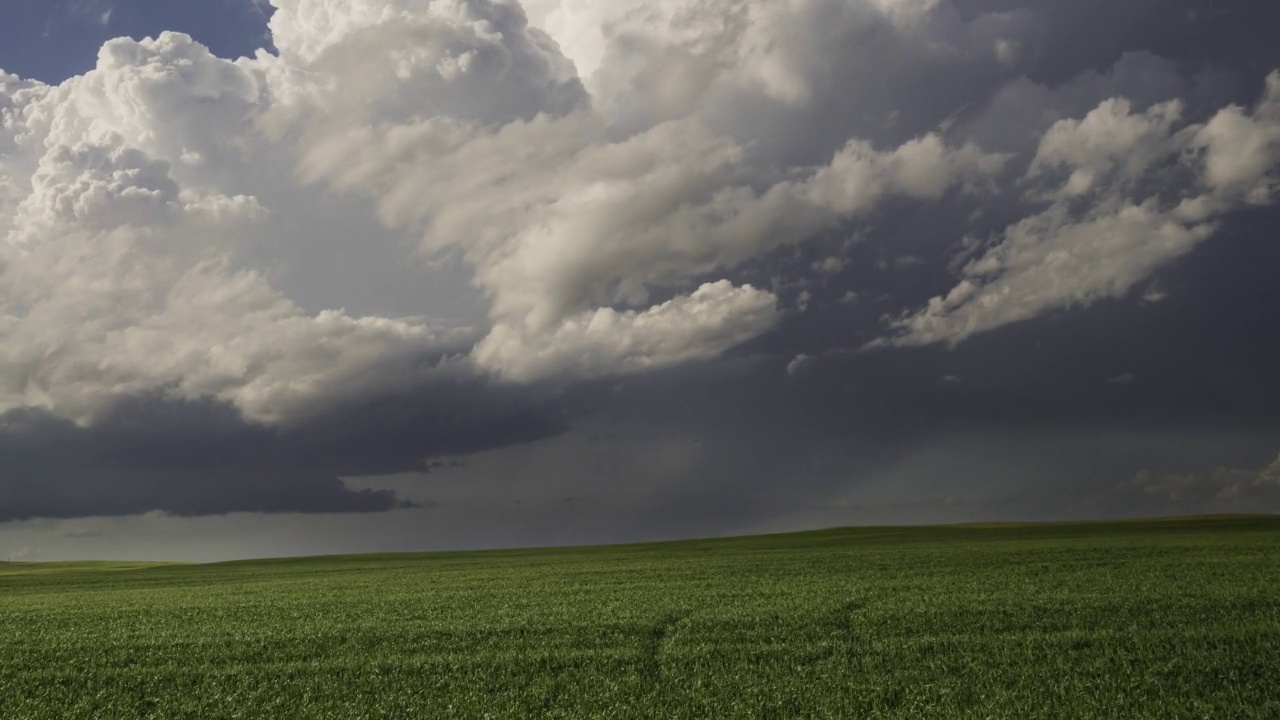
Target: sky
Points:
(333, 276)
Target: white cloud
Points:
(604, 341)
(120, 267)
(796, 78)
(580, 167)
(799, 363)
(1242, 148)
(1110, 144)
(1074, 253)
(1051, 261)
(561, 213)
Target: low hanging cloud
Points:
(616, 182)
(155, 452)
(1224, 490)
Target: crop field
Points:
(1157, 619)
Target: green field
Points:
(1158, 619)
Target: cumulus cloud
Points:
(789, 77)
(597, 213)
(1141, 189)
(594, 163)
(137, 194)
(690, 327)
(1110, 143)
(125, 209)
(137, 198)
(1241, 148)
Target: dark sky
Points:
(432, 275)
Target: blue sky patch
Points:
(51, 41)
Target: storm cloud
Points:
(153, 452)
(408, 229)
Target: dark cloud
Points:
(1075, 36)
(201, 457)
(1028, 421)
(1223, 490)
(1200, 351)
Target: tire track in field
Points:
(655, 644)
(845, 635)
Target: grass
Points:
(1174, 619)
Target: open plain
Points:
(1156, 619)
